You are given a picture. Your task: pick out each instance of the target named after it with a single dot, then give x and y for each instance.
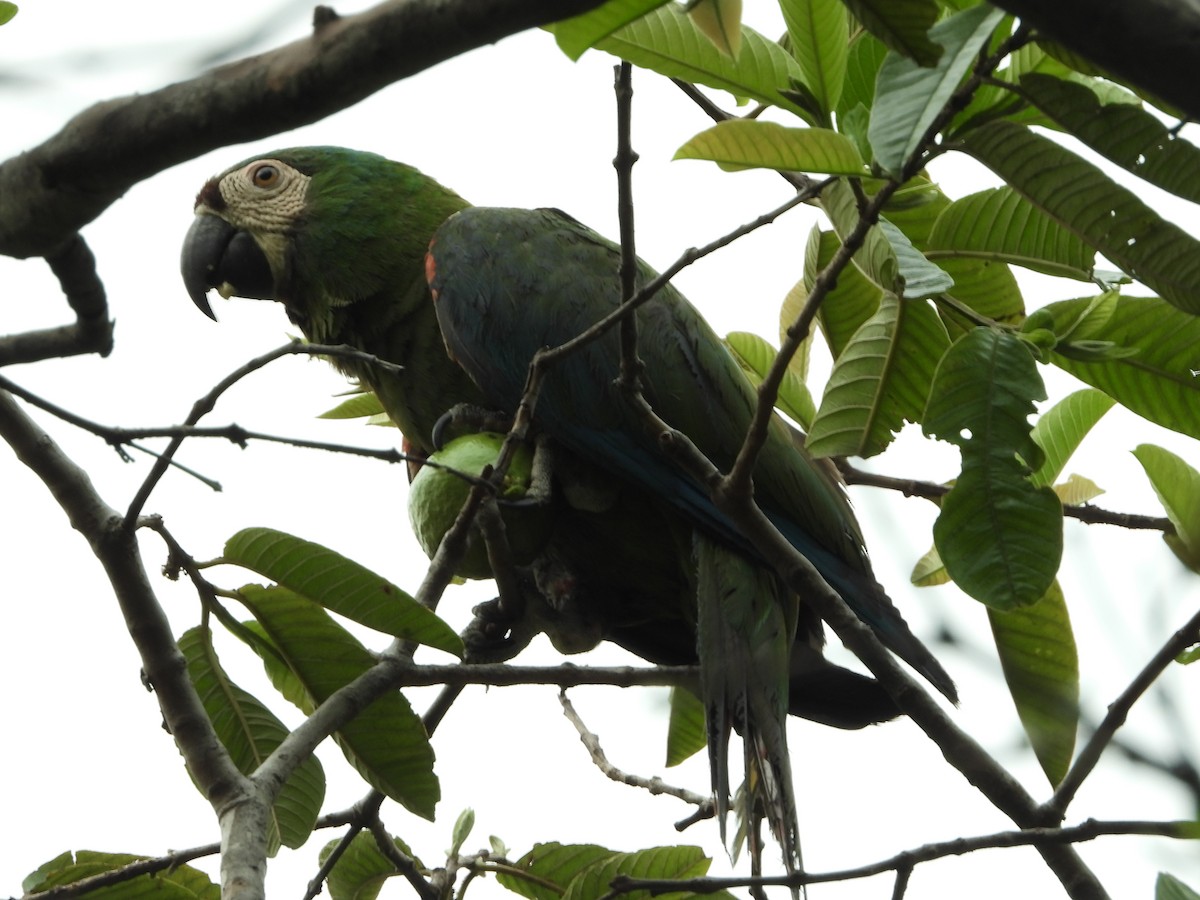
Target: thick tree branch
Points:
(1153, 44)
(115, 546)
(48, 193)
(91, 332)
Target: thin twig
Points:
(623, 162)
(1089, 756)
(928, 490)
(654, 785)
(205, 404)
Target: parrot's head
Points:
(316, 228)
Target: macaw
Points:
(371, 253)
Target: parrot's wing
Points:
(508, 282)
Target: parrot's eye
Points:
(265, 176)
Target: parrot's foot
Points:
(501, 629)
(495, 635)
(466, 418)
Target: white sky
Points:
(84, 763)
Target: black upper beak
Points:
(215, 254)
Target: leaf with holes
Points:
(880, 380)
(999, 535)
(1125, 134)
(1084, 200)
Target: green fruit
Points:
(436, 495)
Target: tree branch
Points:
(48, 193)
(1158, 47)
(928, 490)
(92, 331)
(655, 786)
(1089, 756)
(908, 859)
(115, 546)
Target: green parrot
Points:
(368, 252)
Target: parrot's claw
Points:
(465, 418)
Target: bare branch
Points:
(91, 332)
(1089, 756)
(908, 859)
(655, 786)
(1085, 512)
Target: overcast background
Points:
(84, 763)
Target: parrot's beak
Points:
(217, 255)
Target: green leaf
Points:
(887, 256)
(340, 585)
(360, 872)
(358, 406)
(756, 357)
(1158, 382)
(1041, 666)
(789, 314)
(999, 224)
(721, 23)
(250, 733)
(820, 38)
(386, 742)
(1168, 887)
(921, 277)
(1061, 429)
(909, 97)
(672, 863)
(880, 380)
(666, 41)
(463, 826)
(579, 33)
(901, 25)
(1178, 488)
(753, 143)
(850, 303)
(1084, 200)
(862, 68)
(554, 863)
(999, 535)
(1125, 134)
(876, 259)
(1077, 490)
(929, 570)
(178, 883)
(7, 11)
(686, 733)
(985, 286)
